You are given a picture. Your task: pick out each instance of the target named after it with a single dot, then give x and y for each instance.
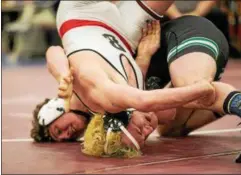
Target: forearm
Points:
(172, 98)
(173, 12)
(143, 62)
(57, 62)
(204, 7)
(156, 100)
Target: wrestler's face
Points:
(69, 126)
(140, 126)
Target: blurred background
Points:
(28, 27)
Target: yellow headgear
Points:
(102, 137)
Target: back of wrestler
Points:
(100, 54)
(116, 14)
(103, 11)
(86, 10)
(94, 39)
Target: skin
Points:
(88, 88)
(68, 126)
(196, 114)
(58, 63)
(203, 8)
(141, 124)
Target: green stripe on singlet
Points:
(195, 41)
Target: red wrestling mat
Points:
(212, 149)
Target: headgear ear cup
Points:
(51, 111)
(103, 138)
(94, 137)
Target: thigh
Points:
(193, 53)
(191, 68)
(186, 121)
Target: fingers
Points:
(68, 78)
(157, 32)
(65, 87)
(157, 27)
(144, 32)
(153, 28)
(150, 40)
(150, 28)
(64, 93)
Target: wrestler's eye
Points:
(58, 131)
(73, 129)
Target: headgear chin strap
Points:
(51, 111)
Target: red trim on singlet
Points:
(71, 24)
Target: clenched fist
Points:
(65, 89)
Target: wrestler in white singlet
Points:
(105, 28)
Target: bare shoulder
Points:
(88, 71)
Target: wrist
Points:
(61, 76)
(144, 57)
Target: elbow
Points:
(52, 51)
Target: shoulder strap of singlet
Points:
(92, 112)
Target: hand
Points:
(65, 89)
(207, 100)
(150, 41)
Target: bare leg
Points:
(186, 120)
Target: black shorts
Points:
(186, 35)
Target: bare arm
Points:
(121, 97)
(173, 12)
(58, 66)
(57, 62)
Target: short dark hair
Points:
(40, 133)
